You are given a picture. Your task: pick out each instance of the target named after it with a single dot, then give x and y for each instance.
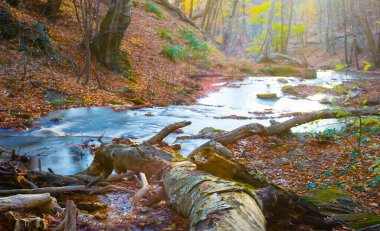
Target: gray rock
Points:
(282, 80)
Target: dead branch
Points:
(69, 223)
(166, 131)
(179, 12)
(43, 202)
(280, 128)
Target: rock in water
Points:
(267, 96)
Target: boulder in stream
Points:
(267, 96)
(282, 80)
(210, 131)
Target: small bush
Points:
(175, 52)
(194, 43)
(152, 7)
(165, 34)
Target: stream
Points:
(57, 143)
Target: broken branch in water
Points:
(166, 131)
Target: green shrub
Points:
(175, 52)
(193, 41)
(152, 7)
(165, 34)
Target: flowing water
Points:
(57, 144)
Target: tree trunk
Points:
(265, 49)
(106, 44)
(202, 189)
(374, 49)
(227, 32)
(289, 27)
(51, 9)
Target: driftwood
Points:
(44, 202)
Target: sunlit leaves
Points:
(256, 12)
(367, 65)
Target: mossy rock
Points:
(137, 101)
(289, 90)
(282, 80)
(332, 201)
(360, 220)
(327, 195)
(310, 74)
(116, 102)
(210, 131)
(267, 96)
(281, 71)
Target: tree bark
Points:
(106, 44)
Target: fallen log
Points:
(281, 128)
(43, 202)
(178, 11)
(64, 189)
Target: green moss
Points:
(327, 195)
(137, 101)
(359, 221)
(281, 71)
(116, 102)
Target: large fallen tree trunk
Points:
(43, 202)
(206, 189)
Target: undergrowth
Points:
(165, 34)
(152, 7)
(175, 52)
(194, 48)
